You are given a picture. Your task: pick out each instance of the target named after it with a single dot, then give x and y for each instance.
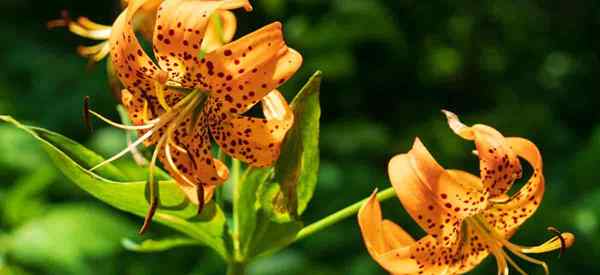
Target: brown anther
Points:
(200, 195)
(148, 218)
(563, 243)
(59, 23)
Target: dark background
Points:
(528, 68)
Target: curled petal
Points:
(379, 242)
(244, 71)
(507, 216)
(178, 34)
(499, 165)
(256, 141)
(135, 69)
(220, 31)
(437, 199)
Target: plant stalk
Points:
(236, 268)
(340, 215)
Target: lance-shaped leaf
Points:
(295, 174)
(110, 185)
(256, 233)
(148, 246)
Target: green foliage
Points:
(175, 211)
(295, 174)
(268, 201)
(67, 235)
(148, 246)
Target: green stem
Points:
(340, 215)
(236, 268)
(235, 178)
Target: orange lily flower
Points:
(163, 99)
(220, 30)
(466, 217)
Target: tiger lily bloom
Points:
(220, 30)
(466, 217)
(179, 103)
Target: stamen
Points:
(96, 52)
(89, 24)
(500, 262)
(173, 166)
(126, 150)
(119, 125)
(160, 94)
(64, 20)
(563, 243)
(86, 113)
(145, 112)
(517, 251)
(513, 263)
(153, 188)
(200, 194)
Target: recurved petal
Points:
(178, 34)
(220, 31)
(255, 141)
(242, 72)
(380, 240)
(437, 199)
(499, 165)
(507, 216)
(136, 71)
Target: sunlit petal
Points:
(506, 217)
(256, 141)
(244, 71)
(499, 165)
(413, 175)
(220, 31)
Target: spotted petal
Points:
(220, 31)
(397, 252)
(499, 165)
(136, 71)
(507, 216)
(437, 199)
(256, 141)
(178, 37)
(241, 73)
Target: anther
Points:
(64, 20)
(200, 194)
(563, 243)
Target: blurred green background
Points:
(528, 68)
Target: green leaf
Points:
(245, 206)
(296, 170)
(23, 199)
(158, 245)
(257, 232)
(270, 236)
(268, 200)
(109, 185)
(67, 235)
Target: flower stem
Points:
(340, 215)
(236, 268)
